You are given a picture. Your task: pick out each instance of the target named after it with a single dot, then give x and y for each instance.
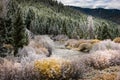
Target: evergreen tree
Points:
(19, 35)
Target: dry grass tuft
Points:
(117, 40)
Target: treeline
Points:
(51, 17)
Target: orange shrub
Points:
(55, 69)
(48, 68)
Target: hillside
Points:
(108, 14)
(53, 18)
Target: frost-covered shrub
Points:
(103, 59)
(38, 48)
(106, 45)
(43, 42)
(80, 66)
(115, 59)
(41, 45)
(16, 71)
(28, 55)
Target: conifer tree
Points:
(19, 34)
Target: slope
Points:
(109, 14)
